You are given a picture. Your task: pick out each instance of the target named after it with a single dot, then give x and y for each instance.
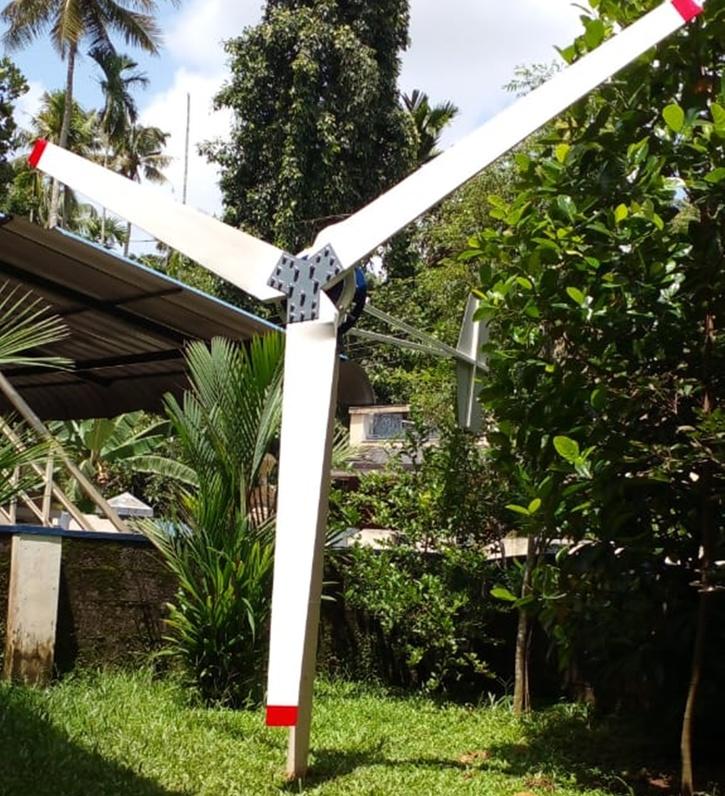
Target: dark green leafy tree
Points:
(318, 130)
(603, 284)
(12, 86)
(120, 78)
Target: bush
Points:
(425, 589)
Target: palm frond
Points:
(25, 325)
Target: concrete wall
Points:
(111, 599)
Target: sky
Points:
(460, 50)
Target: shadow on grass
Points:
(609, 755)
(330, 764)
(555, 749)
(38, 759)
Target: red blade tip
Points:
(281, 715)
(688, 9)
(37, 152)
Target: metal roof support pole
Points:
(39, 427)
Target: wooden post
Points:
(48, 489)
(32, 608)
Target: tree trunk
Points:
(64, 133)
(103, 210)
(687, 779)
(522, 696)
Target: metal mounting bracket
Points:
(301, 279)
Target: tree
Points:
(603, 287)
(428, 122)
(100, 446)
(318, 130)
(140, 156)
(119, 110)
(81, 138)
(12, 86)
(423, 587)
(70, 24)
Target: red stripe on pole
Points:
(37, 153)
(687, 9)
(281, 715)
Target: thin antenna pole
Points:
(186, 149)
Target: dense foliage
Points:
(424, 590)
(318, 130)
(603, 285)
(12, 86)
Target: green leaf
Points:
(535, 505)
(502, 593)
(524, 282)
(566, 447)
(567, 206)
(598, 398)
(718, 116)
(522, 161)
(576, 295)
(716, 175)
(518, 509)
(674, 116)
(561, 151)
(594, 34)
(620, 213)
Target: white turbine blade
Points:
(360, 234)
(310, 376)
(230, 253)
(472, 336)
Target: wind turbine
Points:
(311, 360)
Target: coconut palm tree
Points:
(119, 111)
(70, 23)
(120, 77)
(140, 155)
(428, 122)
(82, 139)
(109, 232)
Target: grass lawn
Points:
(114, 734)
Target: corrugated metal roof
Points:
(128, 327)
(128, 324)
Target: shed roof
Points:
(128, 324)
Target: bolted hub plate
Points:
(301, 279)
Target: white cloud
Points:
(465, 51)
(195, 39)
(28, 105)
(167, 110)
(461, 50)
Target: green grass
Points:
(114, 734)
